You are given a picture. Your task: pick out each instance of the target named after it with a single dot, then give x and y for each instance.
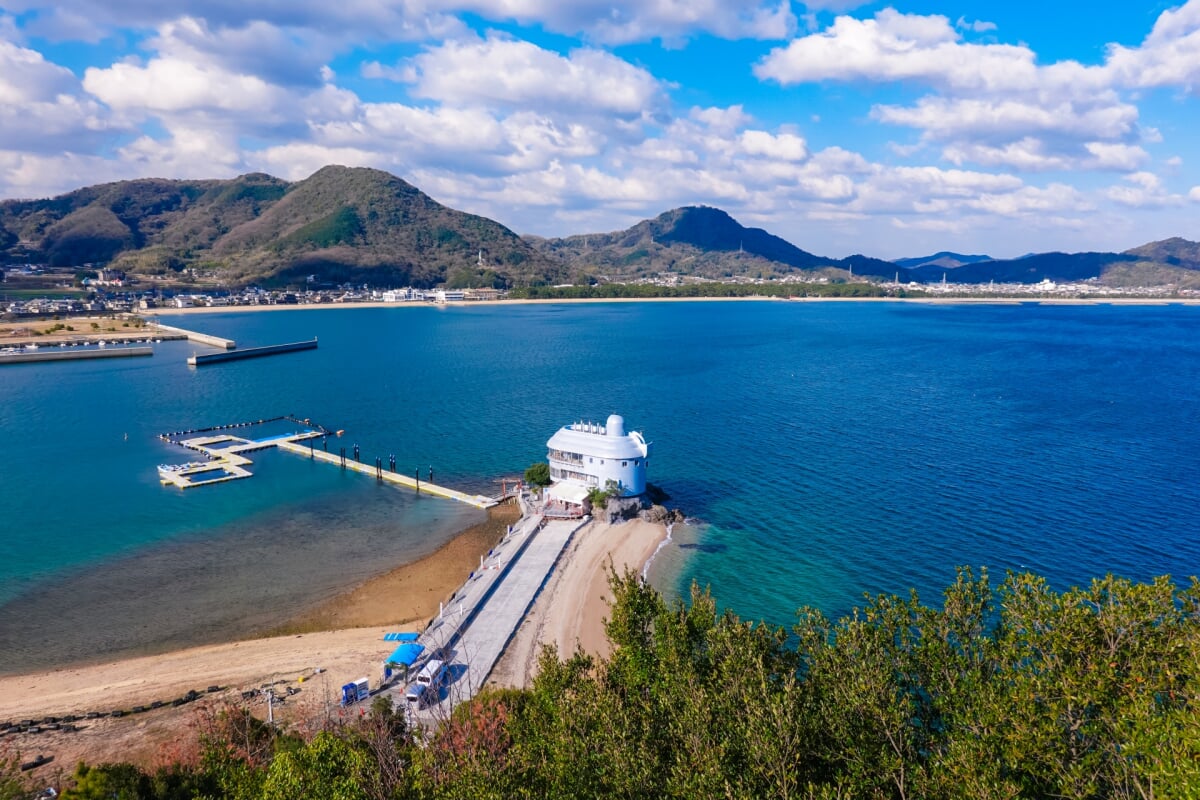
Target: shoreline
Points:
(1063, 301)
(8, 338)
(319, 649)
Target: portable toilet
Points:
(355, 691)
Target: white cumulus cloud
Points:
(513, 73)
(624, 21)
(174, 85)
(783, 146)
(1143, 190)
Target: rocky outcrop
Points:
(619, 509)
(661, 515)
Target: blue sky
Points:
(892, 129)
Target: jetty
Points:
(385, 474)
(194, 336)
(251, 352)
(46, 354)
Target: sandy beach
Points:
(318, 652)
(342, 637)
(570, 611)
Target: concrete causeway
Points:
(482, 616)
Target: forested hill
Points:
(341, 224)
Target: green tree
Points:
(538, 474)
(328, 768)
(110, 782)
(12, 782)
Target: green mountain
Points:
(694, 241)
(340, 224)
(368, 226)
(1175, 252)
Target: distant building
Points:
(449, 295)
(585, 456)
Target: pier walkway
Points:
(476, 625)
(384, 474)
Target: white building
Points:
(586, 456)
(449, 295)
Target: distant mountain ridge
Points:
(365, 225)
(943, 259)
(692, 240)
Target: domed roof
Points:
(615, 426)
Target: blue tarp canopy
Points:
(405, 654)
(400, 637)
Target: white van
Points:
(415, 695)
(431, 674)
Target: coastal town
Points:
(116, 293)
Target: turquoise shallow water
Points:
(828, 449)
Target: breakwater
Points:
(251, 352)
(195, 336)
(28, 356)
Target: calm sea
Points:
(826, 449)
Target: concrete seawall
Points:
(251, 352)
(73, 355)
(200, 338)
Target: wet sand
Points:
(305, 656)
(342, 635)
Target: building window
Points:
(624, 463)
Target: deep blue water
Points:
(830, 449)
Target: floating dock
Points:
(251, 352)
(43, 354)
(382, 473)
(227, 460)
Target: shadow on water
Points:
(703, 548)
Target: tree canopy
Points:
(1000, 691)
